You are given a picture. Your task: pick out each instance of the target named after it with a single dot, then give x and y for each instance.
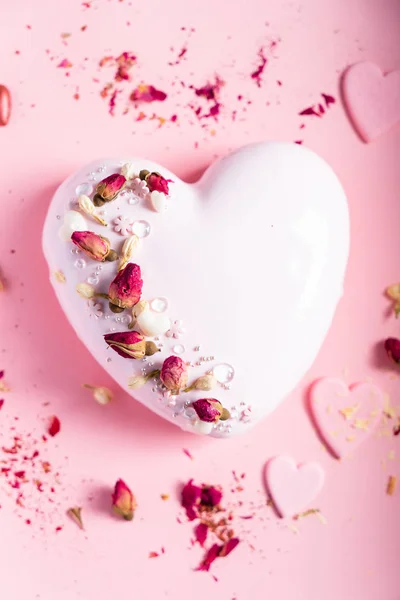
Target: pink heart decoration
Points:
(291, 486)
(345, 417)
(372, 99)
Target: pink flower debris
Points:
(147, 93)
(257, 74)
(54, 426)
(65, 64)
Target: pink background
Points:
(356, 555)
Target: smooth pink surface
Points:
(372, 99)
(51, 134)
(343, 431)
(293, 487)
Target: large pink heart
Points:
(372, 99)
(344, 416)
(293, 487)
(249, 258)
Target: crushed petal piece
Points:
(153, 554)
(54, 426)
(201, 531)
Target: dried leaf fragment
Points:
(75, 513)
(391, 485)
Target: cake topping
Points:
(130, 344)
(126, 289)
(108, 189)
(95, 246)
(174, 374)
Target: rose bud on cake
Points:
(174, 374)
(126, 289)
(392, 347)
(108, 189)
(130, 344)
(155, 181)
(123, 501)
(95, 246)
(210, 410)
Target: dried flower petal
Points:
(147, 93)
(87, 206)
(200, 532)
(123, 501)
(210, 496)
(54, 426)
(1, 403)
(153, 554)
(75, 513)
(190, 499)
(129, 249)
(102, 395)
(174, 373)
(85, 290)
(392, 347)
(211, 554)
(126, 289)
(228, 547)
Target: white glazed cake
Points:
(241, 275)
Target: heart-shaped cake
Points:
(206, 302)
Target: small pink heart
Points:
(372, 99)
(292, 487)
(344, 416)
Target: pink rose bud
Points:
(130, 344)
(126, 289)
(123, 501)
(93, 245)
(173, 373)
(210, 410)
(108, 189)
(155, 182)
(392, 347)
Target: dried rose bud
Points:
(87, 206)
(126, 289)
(174, 373)
(155, 181)
(128, 250)
(139, 381)
(205, 383)
(123, 501)
(210, 410)
(108, 189)
(130, 344)
(392, 347)
(93, 245)
(102, 395)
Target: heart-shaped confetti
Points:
(345, 417)
(241, 261)
(293, 487)
(372, 99)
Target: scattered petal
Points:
(201, 531)
(54, 426)
(60, 277)
(190, 499)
